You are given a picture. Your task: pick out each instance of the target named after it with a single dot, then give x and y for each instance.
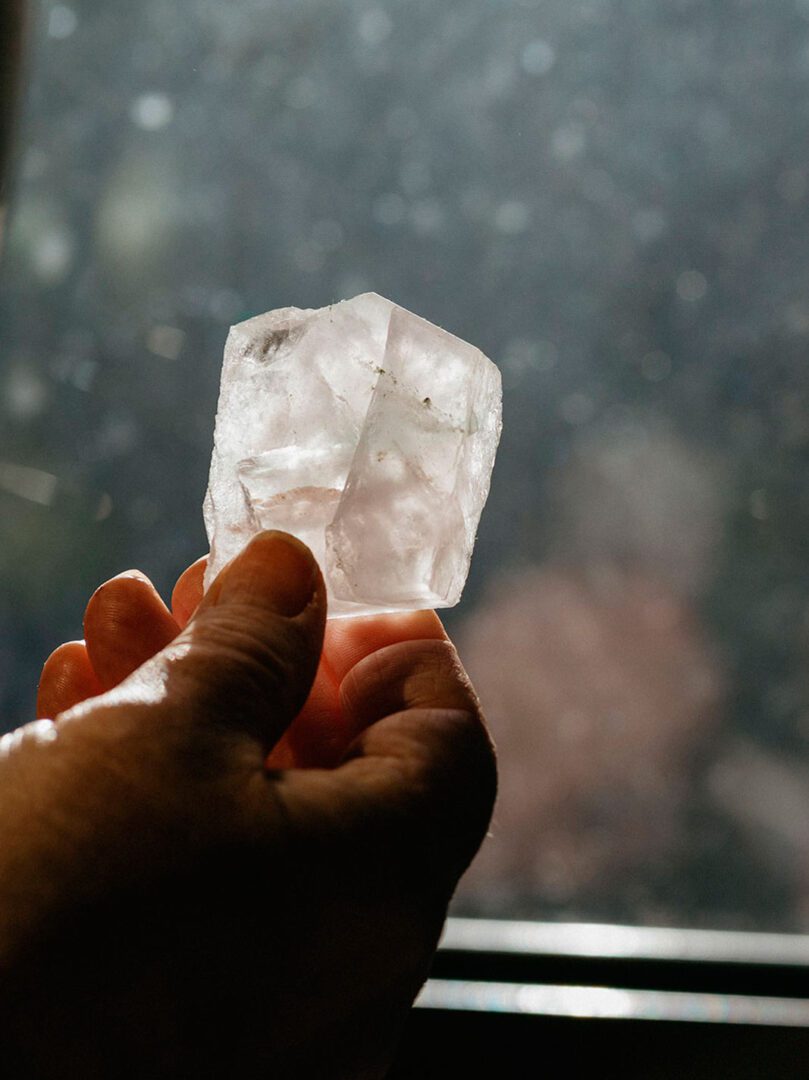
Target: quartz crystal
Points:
(368, 433)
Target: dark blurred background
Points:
(609, 197)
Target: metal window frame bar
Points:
(604, 940)
(608, 972)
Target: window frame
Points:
(648, 1001)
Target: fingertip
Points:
(125, 624)
(67, 679)
(188, 591)
(275, 570)
(136, 575)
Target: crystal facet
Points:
(365, 431)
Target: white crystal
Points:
(365, 431)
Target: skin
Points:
(228, 846)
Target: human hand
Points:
(171, 905)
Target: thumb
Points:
(247, 659)
(124, 786)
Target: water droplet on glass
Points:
(62, 21)
(691, 285)
(538, 57)
(152, 111)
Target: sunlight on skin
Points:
(126, 623)
(67, 679)
(43, 731)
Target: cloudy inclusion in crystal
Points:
(368, 433)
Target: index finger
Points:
(421, 778)
(348, 641)
(325, 726)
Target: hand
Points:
(174, 901)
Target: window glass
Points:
(610, 198)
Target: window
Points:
(611, 199)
